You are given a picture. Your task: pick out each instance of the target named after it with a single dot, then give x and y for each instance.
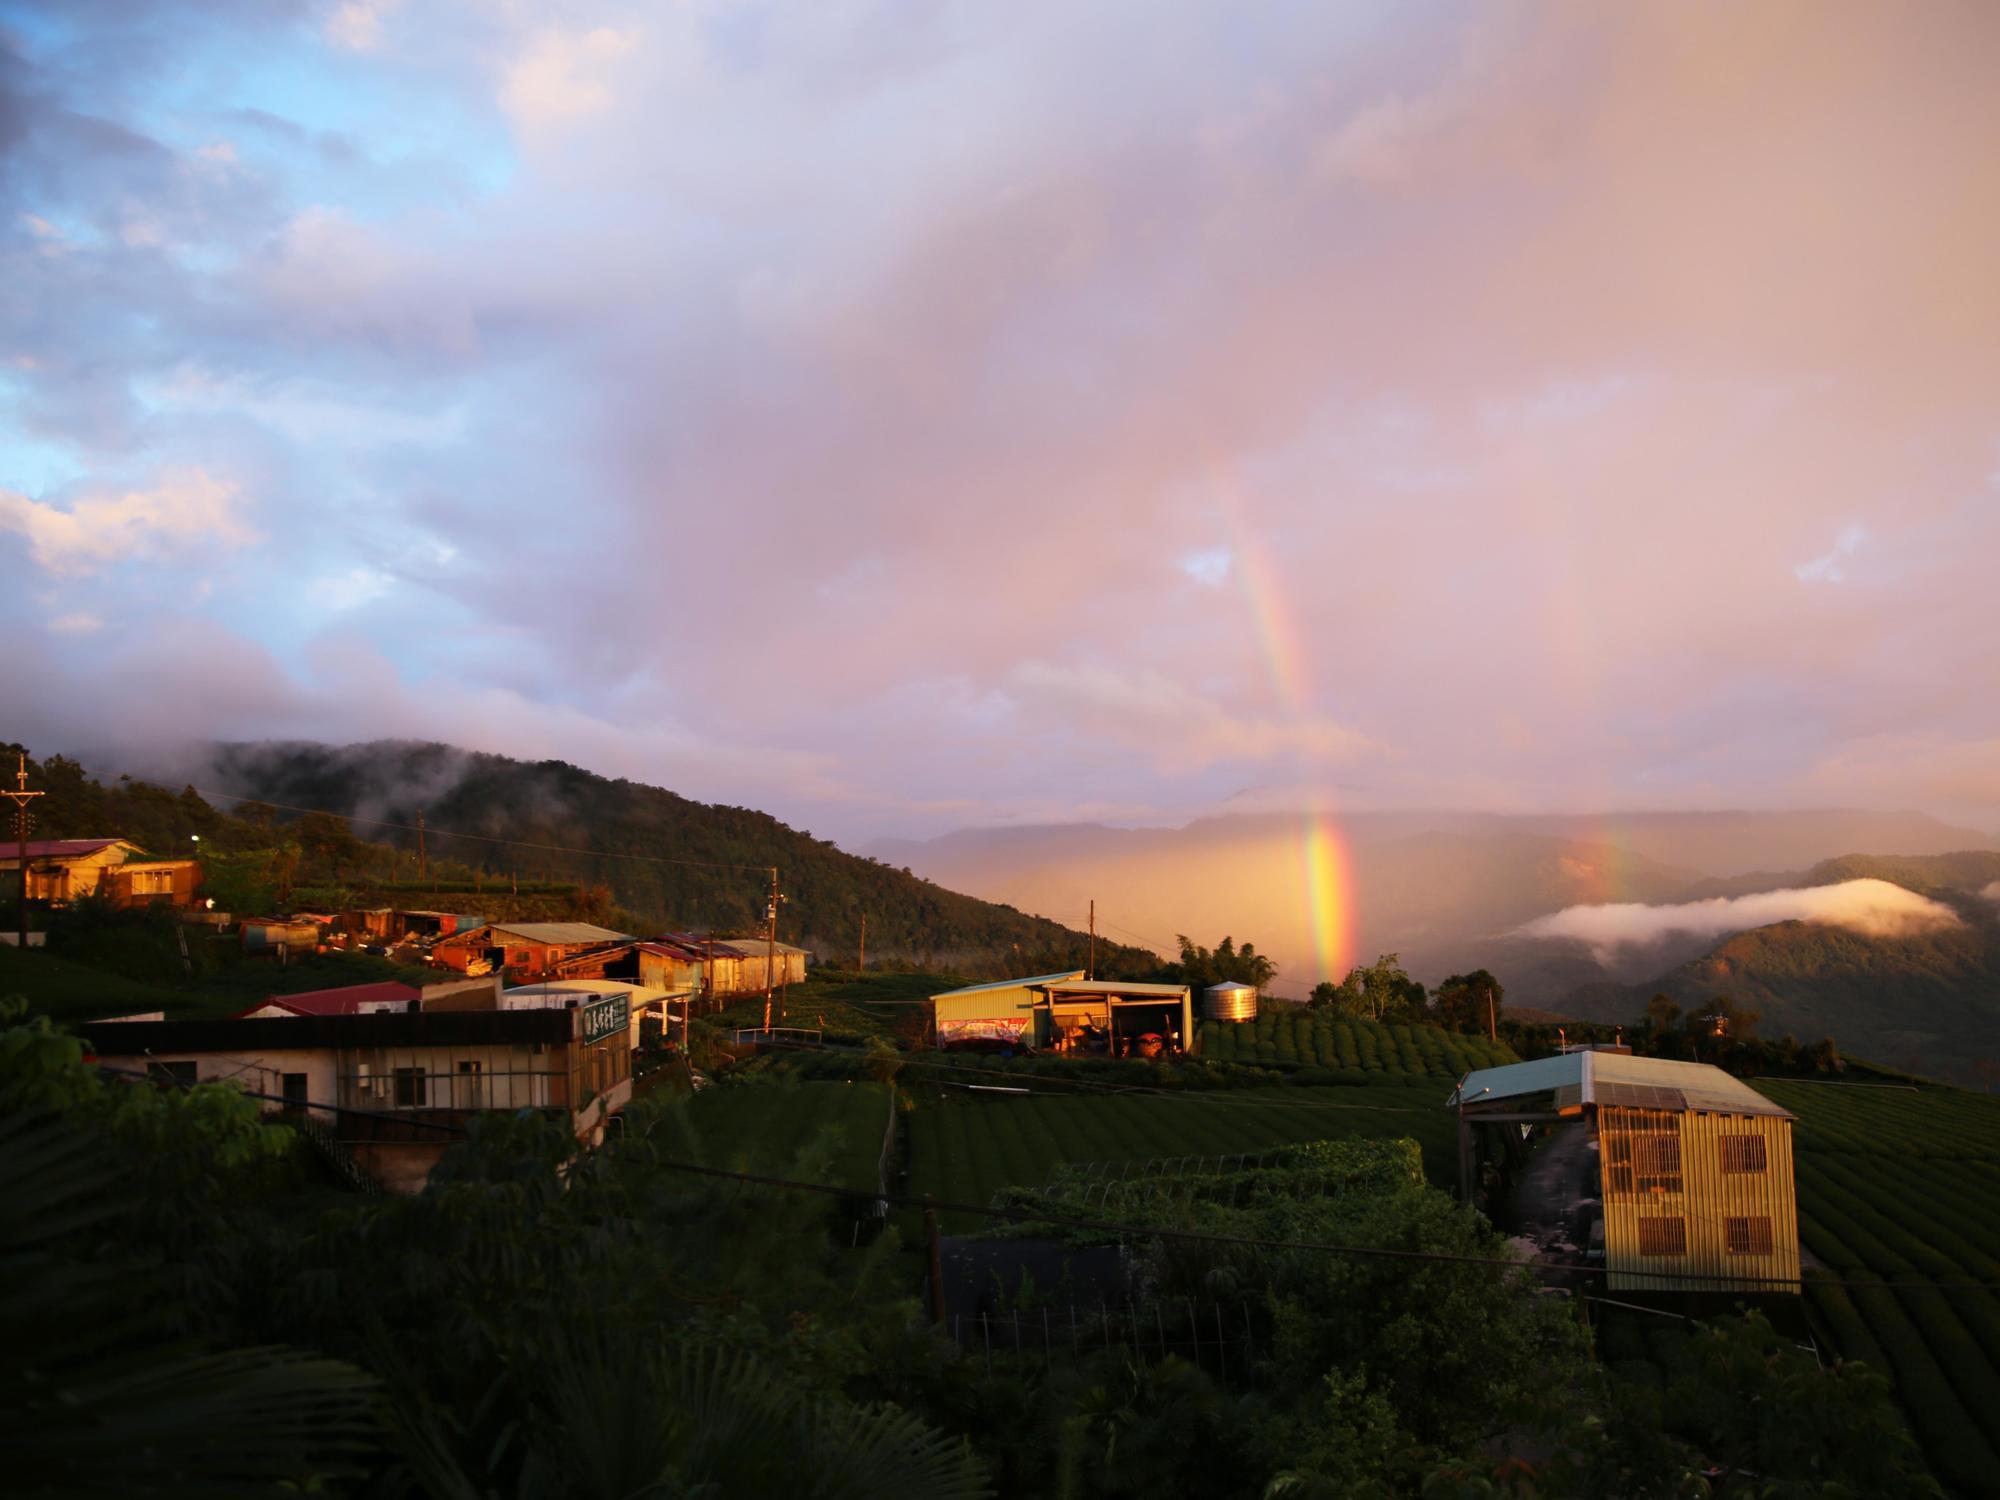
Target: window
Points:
(1642, 1161)
(410, 1088)
(1743, 1153)
(180, 1075)
(1747, 1236)
(1656, 1161)
(1663, 1237)
(293, 1087)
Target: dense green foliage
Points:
(112, 1379)
(1904, 1185)
(609, 1325)
(967, 1147)
(536, 1325)
(1201, 967)
(1289, 1038)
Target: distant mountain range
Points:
(1445, 890)
(1451, 892)
(672, 862)
(1928, 1001)
(1448, 891)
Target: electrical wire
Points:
(1041, 1214)
(1204, 1096)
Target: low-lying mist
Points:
(1874, 908)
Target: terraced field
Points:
(1300, 1038)
(765, 1127)
(1903, 1186)
(967, 1147)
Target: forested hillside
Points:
(1928, 1002)
(669, 861)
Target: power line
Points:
(1202, 1096)
(1038, 1214)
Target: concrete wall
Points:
(260, 1072)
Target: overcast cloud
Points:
(902, 417)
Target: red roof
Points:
(344, 1001)
(58, 848)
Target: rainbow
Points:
(1325, 883)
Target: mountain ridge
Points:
(669, 859)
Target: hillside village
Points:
(1669, 1163)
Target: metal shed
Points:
(1694, 1167)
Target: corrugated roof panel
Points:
(1621, 1081)
(562, 932)
(1543, 1075)
(1112, 987)
(1009, 984)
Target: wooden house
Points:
(61, 870)
(1693, 1169)
(523, 949)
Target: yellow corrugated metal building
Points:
(1694, 1166)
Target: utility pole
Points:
(423, 864)
(861, 957)
(771, 946)
(1090, 969)
(1492, 1026)
(21, 797)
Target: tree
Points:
(328, 836)
(1199, 967)
(1715, 1029)
(1381, 991)
(1469, 1003)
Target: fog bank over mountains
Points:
(1873, 908)
(1446, 890)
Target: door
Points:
(293, 1087)
(470, 1094)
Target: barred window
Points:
(1747, 1236)
(1663, 1236)
(1656, 1161)
(1744, 1153)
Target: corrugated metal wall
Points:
(1683, 1199)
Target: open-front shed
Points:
(1068, 1013)
(1694, 1167)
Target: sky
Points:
(905, 417)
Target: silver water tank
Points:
(1229, 1001)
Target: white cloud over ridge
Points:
(1873, 908)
